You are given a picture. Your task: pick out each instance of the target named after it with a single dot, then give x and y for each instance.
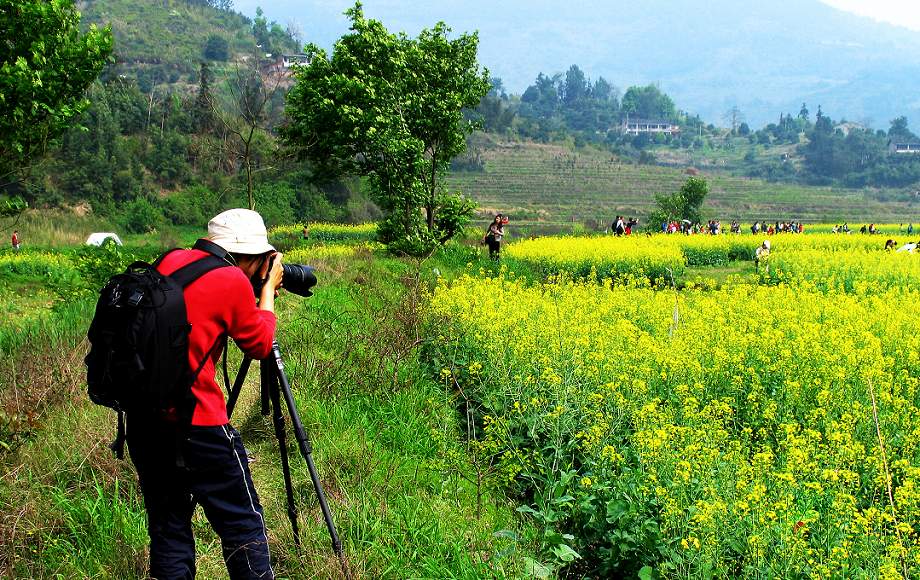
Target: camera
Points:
(297, 278)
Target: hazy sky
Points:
(901, 12)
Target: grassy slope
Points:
(383, 433)
(555, 184)
(146, 32)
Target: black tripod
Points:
(273, 386)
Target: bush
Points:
(216, 48)
(141, 217)
(191, 207)
(275, 202)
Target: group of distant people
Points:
(622, 226)
(714, 227)
(784, 227)
(870, 229)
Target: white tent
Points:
(99, 238)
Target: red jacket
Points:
(220, 302)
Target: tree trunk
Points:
(433, 192)
(248, 156)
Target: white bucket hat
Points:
(240, 231)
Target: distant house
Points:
(280, 68)
(845, 128)
(904, 147)
(637, 126)
(289, 60)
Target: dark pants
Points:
(217, 478)
(494, 246)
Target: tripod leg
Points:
(306, 449)
(237, 385)
(270, 389)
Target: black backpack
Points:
(139, 337)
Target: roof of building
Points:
(648, 122)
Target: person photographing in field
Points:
(179, 436)
(494, 236)
(761, 254)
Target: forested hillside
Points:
(163, 42)
(182, 122)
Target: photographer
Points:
(220, 304)
(760, 256)
(495, 234)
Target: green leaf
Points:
(566, 553)
(534, 569)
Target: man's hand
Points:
(276, 274)
(272, 279)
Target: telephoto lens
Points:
(298, 279)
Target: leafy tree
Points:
(46, 65)
(389, 107)
(900, 132)
(648, 102)
(260, 30)
(576, 86)
(216, 48)
(684, 204)
(803, 112)
(493, 110)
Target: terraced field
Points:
(550, 183)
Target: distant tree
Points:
(247, 115)
(494, 110)
(202, 113)
(390, 108)
(685, 204)
(744, 129)
(497, 88)
(734, 117)
(216, 48)
(648, 102)
(260, 30)
(576, 86)
(803, 112)
(899, 131)
(604, 92)
(46, 65)
(293, 31)
(823, 123)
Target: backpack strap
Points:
(183, 277)
(191, 272)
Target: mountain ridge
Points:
(766, 58)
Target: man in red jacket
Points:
(216, 475)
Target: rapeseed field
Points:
(756, 430)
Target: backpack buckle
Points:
(136, 298)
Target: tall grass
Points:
(55, 228)
(380, 428)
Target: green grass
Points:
(550, 183)
(381, 429)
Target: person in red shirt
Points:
(219, 304)
(15, 240)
